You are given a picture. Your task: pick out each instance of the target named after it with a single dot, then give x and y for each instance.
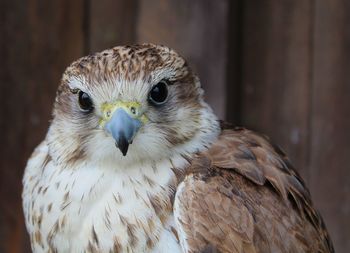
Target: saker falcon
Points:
(136, 161)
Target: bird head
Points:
(128, 104)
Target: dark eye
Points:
(159, 93)
(85, 102)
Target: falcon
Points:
(136, 161)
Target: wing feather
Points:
(211, 213)
(243, 195)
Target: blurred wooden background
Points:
(279, 67)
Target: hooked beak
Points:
(123, 120)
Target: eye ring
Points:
(159, 93)
(85, 102)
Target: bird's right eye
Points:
(85, 102)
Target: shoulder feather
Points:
(224, 185)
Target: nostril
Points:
(133, 110)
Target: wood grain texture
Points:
(111, 23)
(280, 66)
(330, 149)
(276, 74)
(198, 31)
(235, 41)
(38, 40)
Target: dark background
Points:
(280, 67)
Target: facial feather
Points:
(128, 74)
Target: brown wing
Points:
(242, 195)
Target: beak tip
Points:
(123, 146)
(124, 152)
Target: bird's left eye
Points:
(85, 102)
(159, 93)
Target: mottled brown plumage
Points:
(243, 195)
(178, 183)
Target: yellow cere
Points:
(132, 108)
